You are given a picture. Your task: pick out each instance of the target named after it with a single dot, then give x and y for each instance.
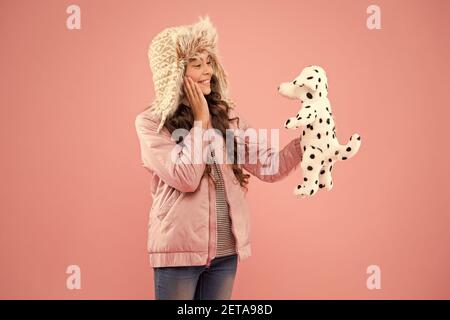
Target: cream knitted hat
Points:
(169, 53)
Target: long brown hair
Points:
(183, 117)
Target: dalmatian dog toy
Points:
(321, 149)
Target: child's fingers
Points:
(188, 89)
(198, 90)
(194, 89)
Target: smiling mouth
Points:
(205, 83)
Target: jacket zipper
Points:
(232, 224)
(210, 257)
(208, 262)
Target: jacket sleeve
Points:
(179, 165)
(275, 165)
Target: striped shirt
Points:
(226, 243)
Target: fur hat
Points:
(169, 53)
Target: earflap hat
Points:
(169, 53)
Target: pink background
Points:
(73, 190)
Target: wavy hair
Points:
(183, 117)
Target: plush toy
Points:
(321, 148)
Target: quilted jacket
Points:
(182, 219)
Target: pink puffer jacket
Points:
(182, 219)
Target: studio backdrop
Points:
(75, 198)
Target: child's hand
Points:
(197, 101)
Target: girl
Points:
(199, 222)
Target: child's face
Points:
(199, 69)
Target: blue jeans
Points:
(197, 282)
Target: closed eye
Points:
(200, 64)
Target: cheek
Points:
(192, 73)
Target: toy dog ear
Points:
(311, 82)
(314, 78)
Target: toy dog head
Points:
(311, 84)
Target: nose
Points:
(278, 88)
